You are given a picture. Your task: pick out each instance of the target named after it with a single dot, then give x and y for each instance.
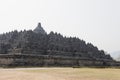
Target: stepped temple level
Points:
(37, 48)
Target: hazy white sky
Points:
(95, 21)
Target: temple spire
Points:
(39, 29)
(39, 24)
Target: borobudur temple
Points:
(37, 48)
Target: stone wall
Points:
(45, 60)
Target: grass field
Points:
(59, 74)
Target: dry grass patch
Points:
(60, 74)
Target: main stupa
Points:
(39, 29)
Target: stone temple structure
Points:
(37, 48)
